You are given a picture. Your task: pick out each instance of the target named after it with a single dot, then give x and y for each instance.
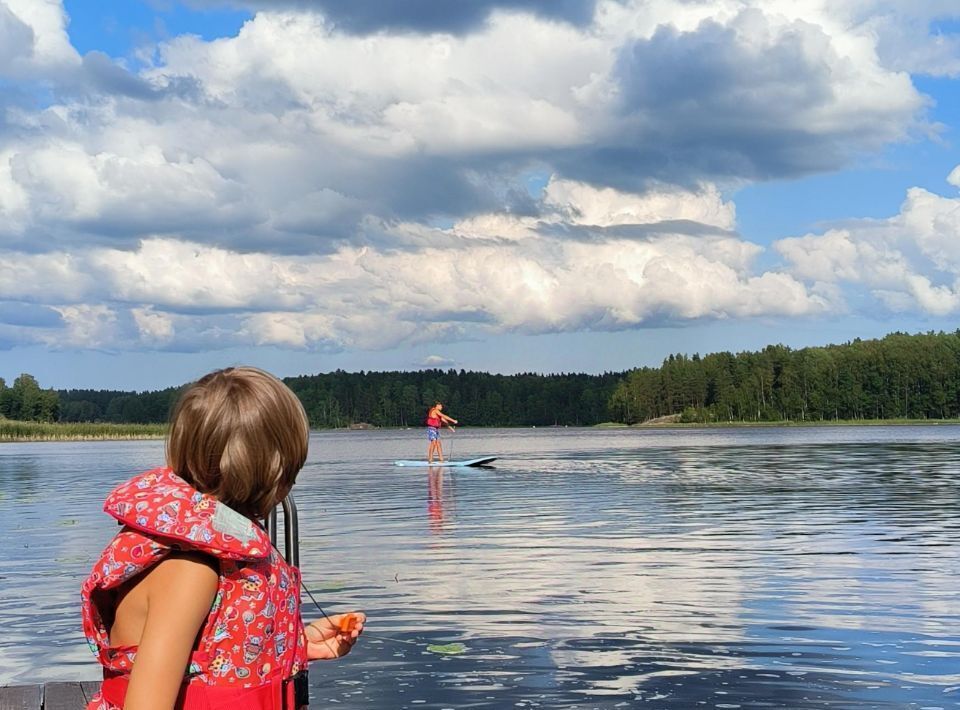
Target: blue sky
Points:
(502, 185)
(119, 29)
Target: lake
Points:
(678, 568)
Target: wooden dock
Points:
(50, 696)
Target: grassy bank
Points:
(11, 430)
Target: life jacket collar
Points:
(160, 503)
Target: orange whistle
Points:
(347, 623)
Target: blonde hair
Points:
(240, 435)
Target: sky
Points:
(496, 185)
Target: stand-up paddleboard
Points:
(485, 461)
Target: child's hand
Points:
(333, 636)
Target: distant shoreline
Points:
(778, 424)
(12, 432)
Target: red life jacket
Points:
(252, 643)
(435, 422)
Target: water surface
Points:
(747, 568)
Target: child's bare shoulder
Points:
(198, 572)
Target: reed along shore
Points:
(11, 430)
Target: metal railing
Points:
(291, 530)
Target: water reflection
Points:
(435, 501)
(591, 569)
(19, 478)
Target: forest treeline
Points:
(339, 399)
(899, 376)
(475, 398)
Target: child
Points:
(436, 419)
(190, 606)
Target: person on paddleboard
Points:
(436, 419)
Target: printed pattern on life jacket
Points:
(253, 633)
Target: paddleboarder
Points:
(436, 420)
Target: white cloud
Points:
(87, 326)
(14, 197)
(285, 137)
(378, 297)
(472, 280)
(34, 40)
(908, 38)
(66, 185)
(371, 297)
(568, 203)
(909, 262)
(16, 39)
(436, 362)
(584, 204)
(183, 275)
(52, 277)
(279, 187)
(954, 177)
(154, 327)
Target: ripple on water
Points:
(799, 568)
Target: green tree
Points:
(27, 393)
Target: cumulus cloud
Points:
(576, 211)
(16, 38)
(289, 136)
(494, 274)
(365, 16)
(36, 58)
(89, 326)
(755, 96)
(285, 186)
(578, 203)
(954, 177)
(909, 262)
(69, 190)
(153, 326)
(443, 286)
(911, 36)
(436, 362)
(33, 39)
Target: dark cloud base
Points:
(29, 315)
(456, 16)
